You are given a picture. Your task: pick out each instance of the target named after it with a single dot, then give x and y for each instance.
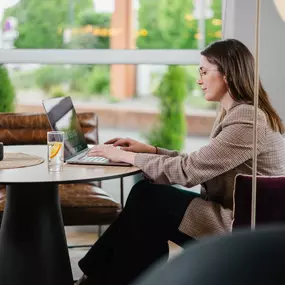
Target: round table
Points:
(33, 245)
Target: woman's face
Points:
(211, 81)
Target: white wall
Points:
(272, 51)
(239, 21)
(240, 24)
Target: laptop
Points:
(62, 117)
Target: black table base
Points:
(33, 247)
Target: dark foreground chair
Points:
(245, 257)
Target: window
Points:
(100, 88)
(109, 24)
(104, 84)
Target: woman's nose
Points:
(199, 81)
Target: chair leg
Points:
(122, 191)
(99, 231)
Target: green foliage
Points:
(78, 77)
(166, 24)
(102, 20)
(191, 78)
(41, 22)
(23, 79)
(169, 27)
(98, 81)
(147, 17)
(49, 76)
(7, 92)
(90, 79)
(90, 40)
(169, 24)
(171, 129)
(176, 31)
(57, 91)
(213, 29)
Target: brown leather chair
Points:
(82, 204)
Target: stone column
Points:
(123, 37)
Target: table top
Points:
(71, 173)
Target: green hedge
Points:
(99, 80)
(7, 92)
(170, 131)
(50, 76)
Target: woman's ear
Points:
(225, 79)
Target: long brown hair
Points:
(235, 61)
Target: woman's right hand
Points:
(128, 144)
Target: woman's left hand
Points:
(112, 153)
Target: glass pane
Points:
(107, 84)
(109, 24)
(124, 96)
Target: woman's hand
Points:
(128, 144)
(112, 153)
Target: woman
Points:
(156, 212)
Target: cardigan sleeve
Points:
(230, 148)
(163, 151)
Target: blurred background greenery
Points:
(168, 25)
(74, 24)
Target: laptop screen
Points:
(62, 117)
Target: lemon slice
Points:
(55, 148)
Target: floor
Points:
(81, 238)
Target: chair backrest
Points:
(270, 200)
(31, 128)
(245, 257)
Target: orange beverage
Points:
(55, 142)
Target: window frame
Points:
(104, 56)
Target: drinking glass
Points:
(55, 141)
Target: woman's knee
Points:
(146, 194)
(139, 190)
(141, 204)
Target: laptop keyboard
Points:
(94, 159)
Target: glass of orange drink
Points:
(55, 142)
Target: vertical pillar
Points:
(123, 37)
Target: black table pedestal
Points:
(33, 246)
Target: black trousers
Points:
(140, 235)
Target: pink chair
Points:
(270, 201)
